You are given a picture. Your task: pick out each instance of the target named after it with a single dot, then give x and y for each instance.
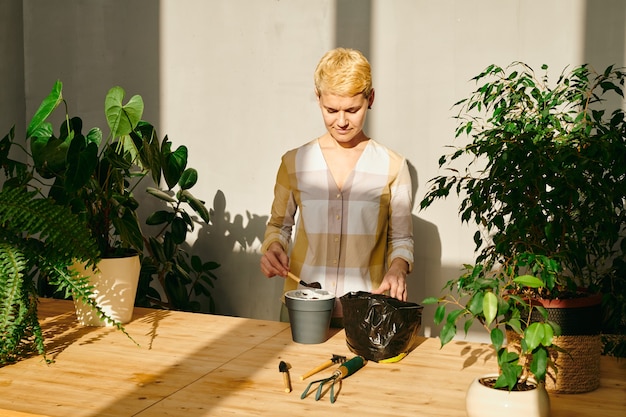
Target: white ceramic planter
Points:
(115, 287)
(482, 401)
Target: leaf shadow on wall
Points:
(234, 241)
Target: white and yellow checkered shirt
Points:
(345, 238)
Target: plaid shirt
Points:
(345, 238)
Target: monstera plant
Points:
(99, 177)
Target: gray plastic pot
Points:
(310, 311)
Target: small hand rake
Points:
(344, 371)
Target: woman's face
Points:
(344, 117)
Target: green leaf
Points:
(556, 329)
(44, 130)
(533, 335)
(188, 179)
(430, 300)
(174, 165)
(49, 153)
(169, 246)
(490, 307)
(161, 195)
(475, 305)
(468, 325)
(46, 108)
(548, 334)
(144, 136)
(447, 333)
(454, 315)
(505, 356)
(515, 325)
(94, 136)
(197, 205)
(542, 310)
(157, 249)
(529, 281)
(179, 230)
(440, 314)
(121, 118)
(539, 364)
(128, 227)
(210, 266)
(159, 217)
(82, 161)
(196, 263)
(497, 338)
(510, 373)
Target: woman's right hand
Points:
(275, 261)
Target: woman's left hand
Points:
(395, 280)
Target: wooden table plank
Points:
(11, 413)
(418, 385)
(100, 372)
(203, 365)
(430, 382)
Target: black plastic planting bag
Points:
(380, 328)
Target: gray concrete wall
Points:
(232, 80)
(12, 99)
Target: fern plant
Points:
(37, 237)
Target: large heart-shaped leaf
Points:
(82, 160)
(122, 118)
(174, 164)
(49, 154)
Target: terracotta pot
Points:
(579, 302)
(115, 287)
(483, 401)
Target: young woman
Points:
(352, 194)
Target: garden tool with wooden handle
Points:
(315, 285)
(345, 370)
(328, 363)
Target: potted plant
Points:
(498, 298)
(542, 176)
(179, 275)
(37, 236)
(97, 177)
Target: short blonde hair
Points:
(345, 72)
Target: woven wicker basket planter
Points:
(578, 368)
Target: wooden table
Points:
(206, 365)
